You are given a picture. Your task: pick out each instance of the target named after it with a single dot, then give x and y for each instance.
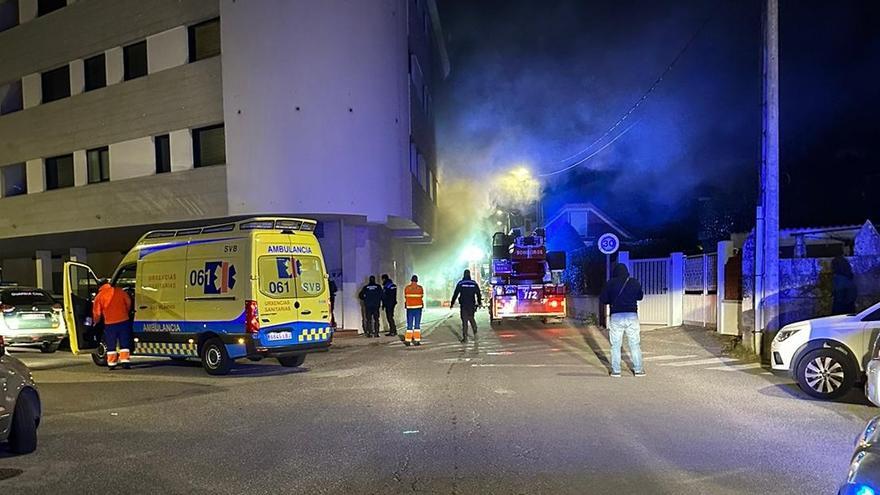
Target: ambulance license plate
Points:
(33, 316)
(278, 335)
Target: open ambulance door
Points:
(80, 288)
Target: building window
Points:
(46, 6)
(163, 154)
(56, 84)
(8, 14)
(434, 189)
(578, 220)
(417, 77)
(11, 97)
(427, 23)
(135, 60)
(209, 146)
(98, 161)
(413, 159)
(423, 172)
(95, 72)
(204, 40)
(59, 172)
(14, 179)
(430, 183)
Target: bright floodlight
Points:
(473, 253)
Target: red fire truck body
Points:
(523, 283)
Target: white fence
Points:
(654, 275)
(700, 301)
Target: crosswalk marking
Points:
(669, 357)
(714, 360)
(737, 367)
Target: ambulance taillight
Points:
(251, 317)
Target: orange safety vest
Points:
(112, 303)
(414, 296)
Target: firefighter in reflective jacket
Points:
(468, 294)
(414, 296)
(114, 306)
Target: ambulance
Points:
(253, 289)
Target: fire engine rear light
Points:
(251, 317)
(554, 303)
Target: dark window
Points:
(46, 6)
(56, 84)
(11, 97)
(135, 60)
(95, 72)
(98, 161)
(204, 40)
(59, 172)
(163, 154)
(209, 146)
(14, 180)
(8, 14)
(126, 278)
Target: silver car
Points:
(30, 317)
(20, 407)
(864, 469)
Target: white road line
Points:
(511, 365)
(669, 357)
(737, 367)
(720, 360)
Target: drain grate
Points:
(5, 474)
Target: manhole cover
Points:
(5, 474)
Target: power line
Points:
(632, 109)
(591, 155)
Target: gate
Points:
(654, 309)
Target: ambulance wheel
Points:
(215, 359)
(23, 433)
(99, 356)
(292, 361)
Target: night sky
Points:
(537, 82)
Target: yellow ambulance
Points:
(253, 288)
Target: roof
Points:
(253, 223)
(569, 207)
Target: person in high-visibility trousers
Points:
(114, 305)
(414, 300)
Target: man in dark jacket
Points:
(331, 287)
(623, 292)
(843, 287)
(468, 294)
(389, 301)
(371, 295)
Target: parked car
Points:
(30, 317)
(827, 356)
(20, 407)
(864, 468)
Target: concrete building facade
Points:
(120, 116)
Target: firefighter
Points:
(389, 302)
(114, 306)
(371, 295)
(414, 301)
(469, 299)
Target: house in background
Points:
(587, 220)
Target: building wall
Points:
(329, 131)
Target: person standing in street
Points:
(843, 287)
(414, 301)
(623, 292)
(114, 306)
(469, 298)
(371, 295)
(331, 287)
(389, 302)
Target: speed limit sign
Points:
(608, 243)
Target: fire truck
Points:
(525, 278)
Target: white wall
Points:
(167, 49)
(135, 158)
(324, 57)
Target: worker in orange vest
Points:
(114, 305)
(414, 301)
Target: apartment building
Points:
(121, 116)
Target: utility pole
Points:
(767, 215)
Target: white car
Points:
(827, 356)
(30, 317)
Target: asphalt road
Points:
(528, 408)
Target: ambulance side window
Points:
(126, 279)
(310, 276)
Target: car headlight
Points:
(868, 437)
(783, 335)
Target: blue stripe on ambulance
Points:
(155, 248)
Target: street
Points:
(526, 408)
